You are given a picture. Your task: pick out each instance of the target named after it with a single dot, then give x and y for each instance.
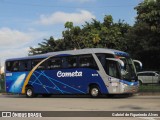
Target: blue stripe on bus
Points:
(121, 54)
(128, 83)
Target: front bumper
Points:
(129, 87)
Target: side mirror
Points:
(138, 65)
(123, 72)
(117, 60)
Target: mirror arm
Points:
(118, 60)
(137, 61)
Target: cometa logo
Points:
(69, 74)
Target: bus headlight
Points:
(125, 85)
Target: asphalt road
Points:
(80, 103)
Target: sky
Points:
(25, 23)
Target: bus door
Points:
(114, 75)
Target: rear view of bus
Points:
(88, 71)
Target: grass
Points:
(149, 88)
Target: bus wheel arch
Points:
(29, 91)
(94, 90)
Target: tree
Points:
(149, 13)
(71, 36)
(108, 20)
(113, 34)
(48, 45)
(143, 38)
(94, 34)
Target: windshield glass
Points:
(129, 72)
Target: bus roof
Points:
(73, 52)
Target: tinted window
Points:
(87, 61)
(8, 66)
(102, 57)
(25, 65)
(54, 63)
(12, 66)
(152, 74)
(146, 74)
(41, 66)
(71, 62)
(112, 69)
(140, 74)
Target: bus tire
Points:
(30, 92)
(94, 91)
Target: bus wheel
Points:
(94, 91)
(30, 92)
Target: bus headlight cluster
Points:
(125, 85)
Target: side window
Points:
(152, 74)
(12, 66)
(140, 74)
(102, 57)
(40, 67)
(54, 63)
(87, 61)
(109, 56)
(8, 66)
(146, 74)
(71, 62)
(15, 66)
(25, 65)
(112, 69)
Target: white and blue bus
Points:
(87, 71)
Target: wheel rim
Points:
(94, 92)
(29, 92)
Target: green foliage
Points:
(149, 88)
(144, 37)
(95, 34)
(108, 20)
(69, 25)
(48, 45)
(142, 40)
(2, 76)
(149, 12)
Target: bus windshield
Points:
(129, 71)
